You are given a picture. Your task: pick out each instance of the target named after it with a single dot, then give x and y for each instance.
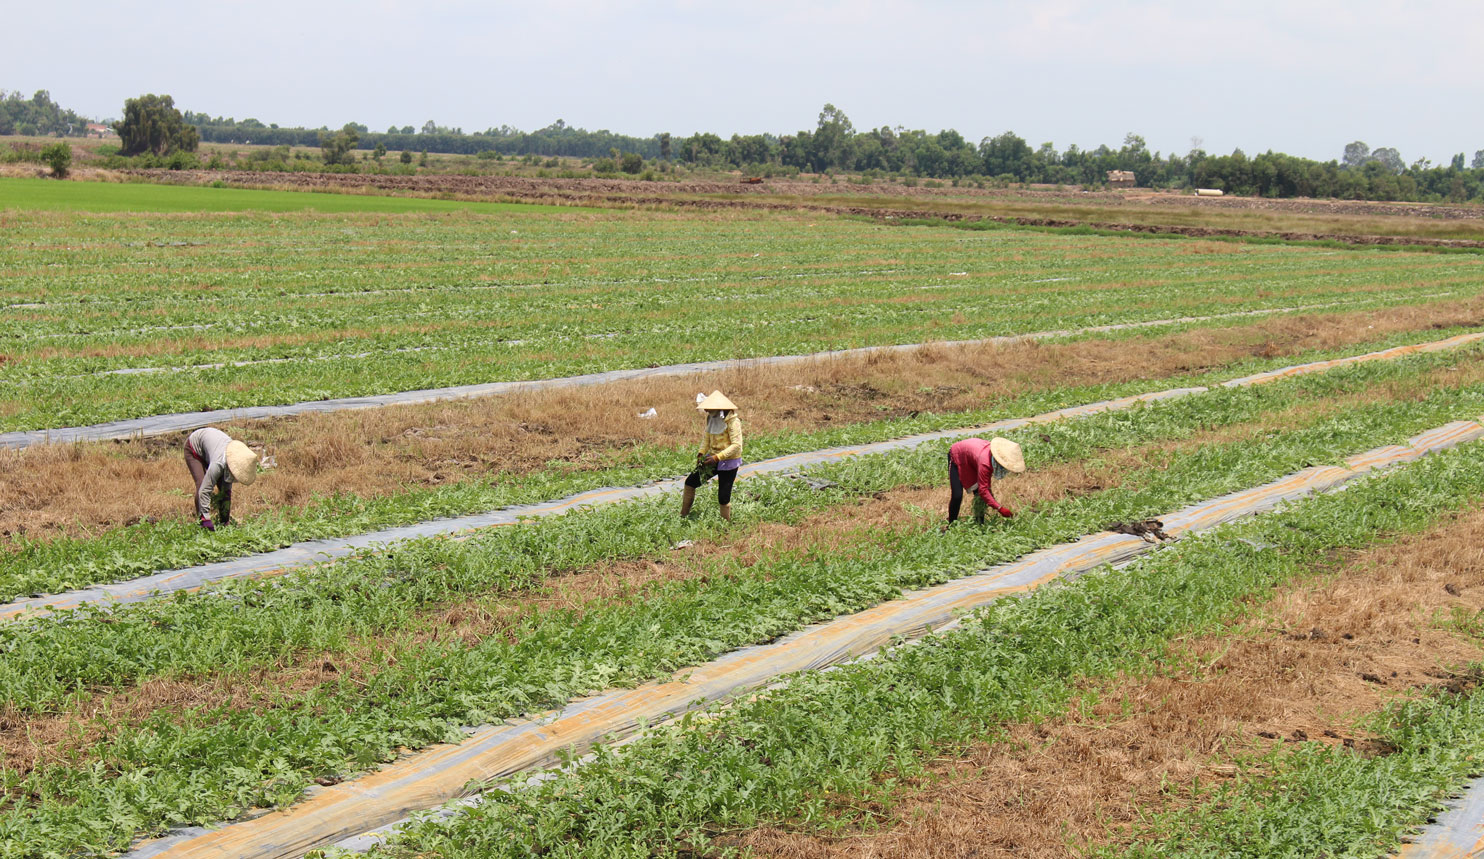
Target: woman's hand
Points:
(1006, 511)
(207, 524)
(710, 460)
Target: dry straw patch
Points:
(1304, 666)
(72, 489)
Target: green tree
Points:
(336, 147)
(833, 141)
(1356, 154)
(406, 156)
(380, 152)
(422, 160)
(1007, 153)
(59, 156)
(869, 153)
(632, 162)
(701, 148)
(752, 149)
(1389, 158)
(152, 124)
(665, 146)
(930, 158)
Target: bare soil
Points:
(53, 490)
(1306, 665)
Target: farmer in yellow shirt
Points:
(720, 455)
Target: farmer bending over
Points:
(216, 462)
(974, 463)
(720, 455)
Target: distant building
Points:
(1121, 178)
(96, 130)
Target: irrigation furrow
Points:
(427, 779)
(155, 425)
(1457, 833)
(312, 552)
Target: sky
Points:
(1299, 77)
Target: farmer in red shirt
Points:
(974, 463)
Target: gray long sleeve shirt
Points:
(210, 446)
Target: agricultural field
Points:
(117, 316)
(1295, 681)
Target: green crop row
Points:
(344, 299)
(60, 564)
(415, 689)
(1333, 801)
(807, 754)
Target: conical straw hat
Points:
(717, 400)
(1007, 453)
(242, 462)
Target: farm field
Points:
(1138, 210)
(124, 315)
(99, 197)
(1084, 720)
(1299, 682)
(194, 647)
(390, 469)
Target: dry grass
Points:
(76, 489)
(1318, 656)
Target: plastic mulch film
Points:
(424, 780)
(165, 424)
(1458, 833)
(318, 551)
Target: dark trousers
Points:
(724, 481)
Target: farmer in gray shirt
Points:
(216, 462)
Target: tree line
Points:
(833, 145)
(38, 116)
(559, 138)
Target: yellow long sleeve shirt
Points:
(725, 446)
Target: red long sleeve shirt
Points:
(975, 466)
